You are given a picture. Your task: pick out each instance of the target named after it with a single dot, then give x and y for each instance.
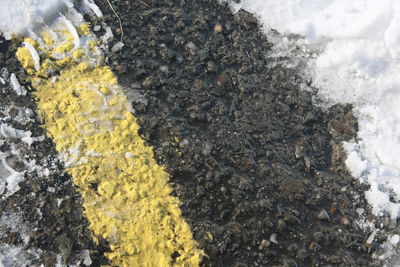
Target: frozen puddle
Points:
(352, 55)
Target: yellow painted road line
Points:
(127, 199)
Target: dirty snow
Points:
(17, 256)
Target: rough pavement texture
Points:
(258, 168)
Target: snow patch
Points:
(17, 256)
(20, 90)
(72, 30)
(92, 6)
(118, 46)
(9, 177)
(357, 61)
(21, 16)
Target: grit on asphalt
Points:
(258, 168)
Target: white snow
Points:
(108, 35)
(359, 64)
(20, 90)
(92, 6)
(8, 132)
(118, 46)
(17, 256)
(86, 258)
(34, 54)
(23, 16)
(72, 30)
(394, 239)
(391, 255)
(10, 178)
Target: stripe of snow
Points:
(34, 54)
(72, 30)
(96, 10)
(20, 90)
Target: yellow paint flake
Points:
(83, 66)
(78, 53)
(93, 45)
(64, 62)
(24, 56)
(127, 199)
(84, 29)
(65, 47)
(210, 236)
(66, 34)
(31, 41)
(47, 39)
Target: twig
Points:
(119, 19)
(144, 3)
(248, 55)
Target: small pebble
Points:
(323, 215)
(273, 238)
(264, 244)
(217, 28)
(314, 247)
(360, 211)
(184, 143)
(345, 221)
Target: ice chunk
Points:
(20, 90)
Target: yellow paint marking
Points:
(25, 58)
(84, 29)
(127, 199)
(48, 40)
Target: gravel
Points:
(258, 168)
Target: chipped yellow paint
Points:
(31, 41)
(24, 56)
(210, 236)
(64, 48)
(127, 199)
(93, 45)
(48, 40)
(84, 28)
(78, 53)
